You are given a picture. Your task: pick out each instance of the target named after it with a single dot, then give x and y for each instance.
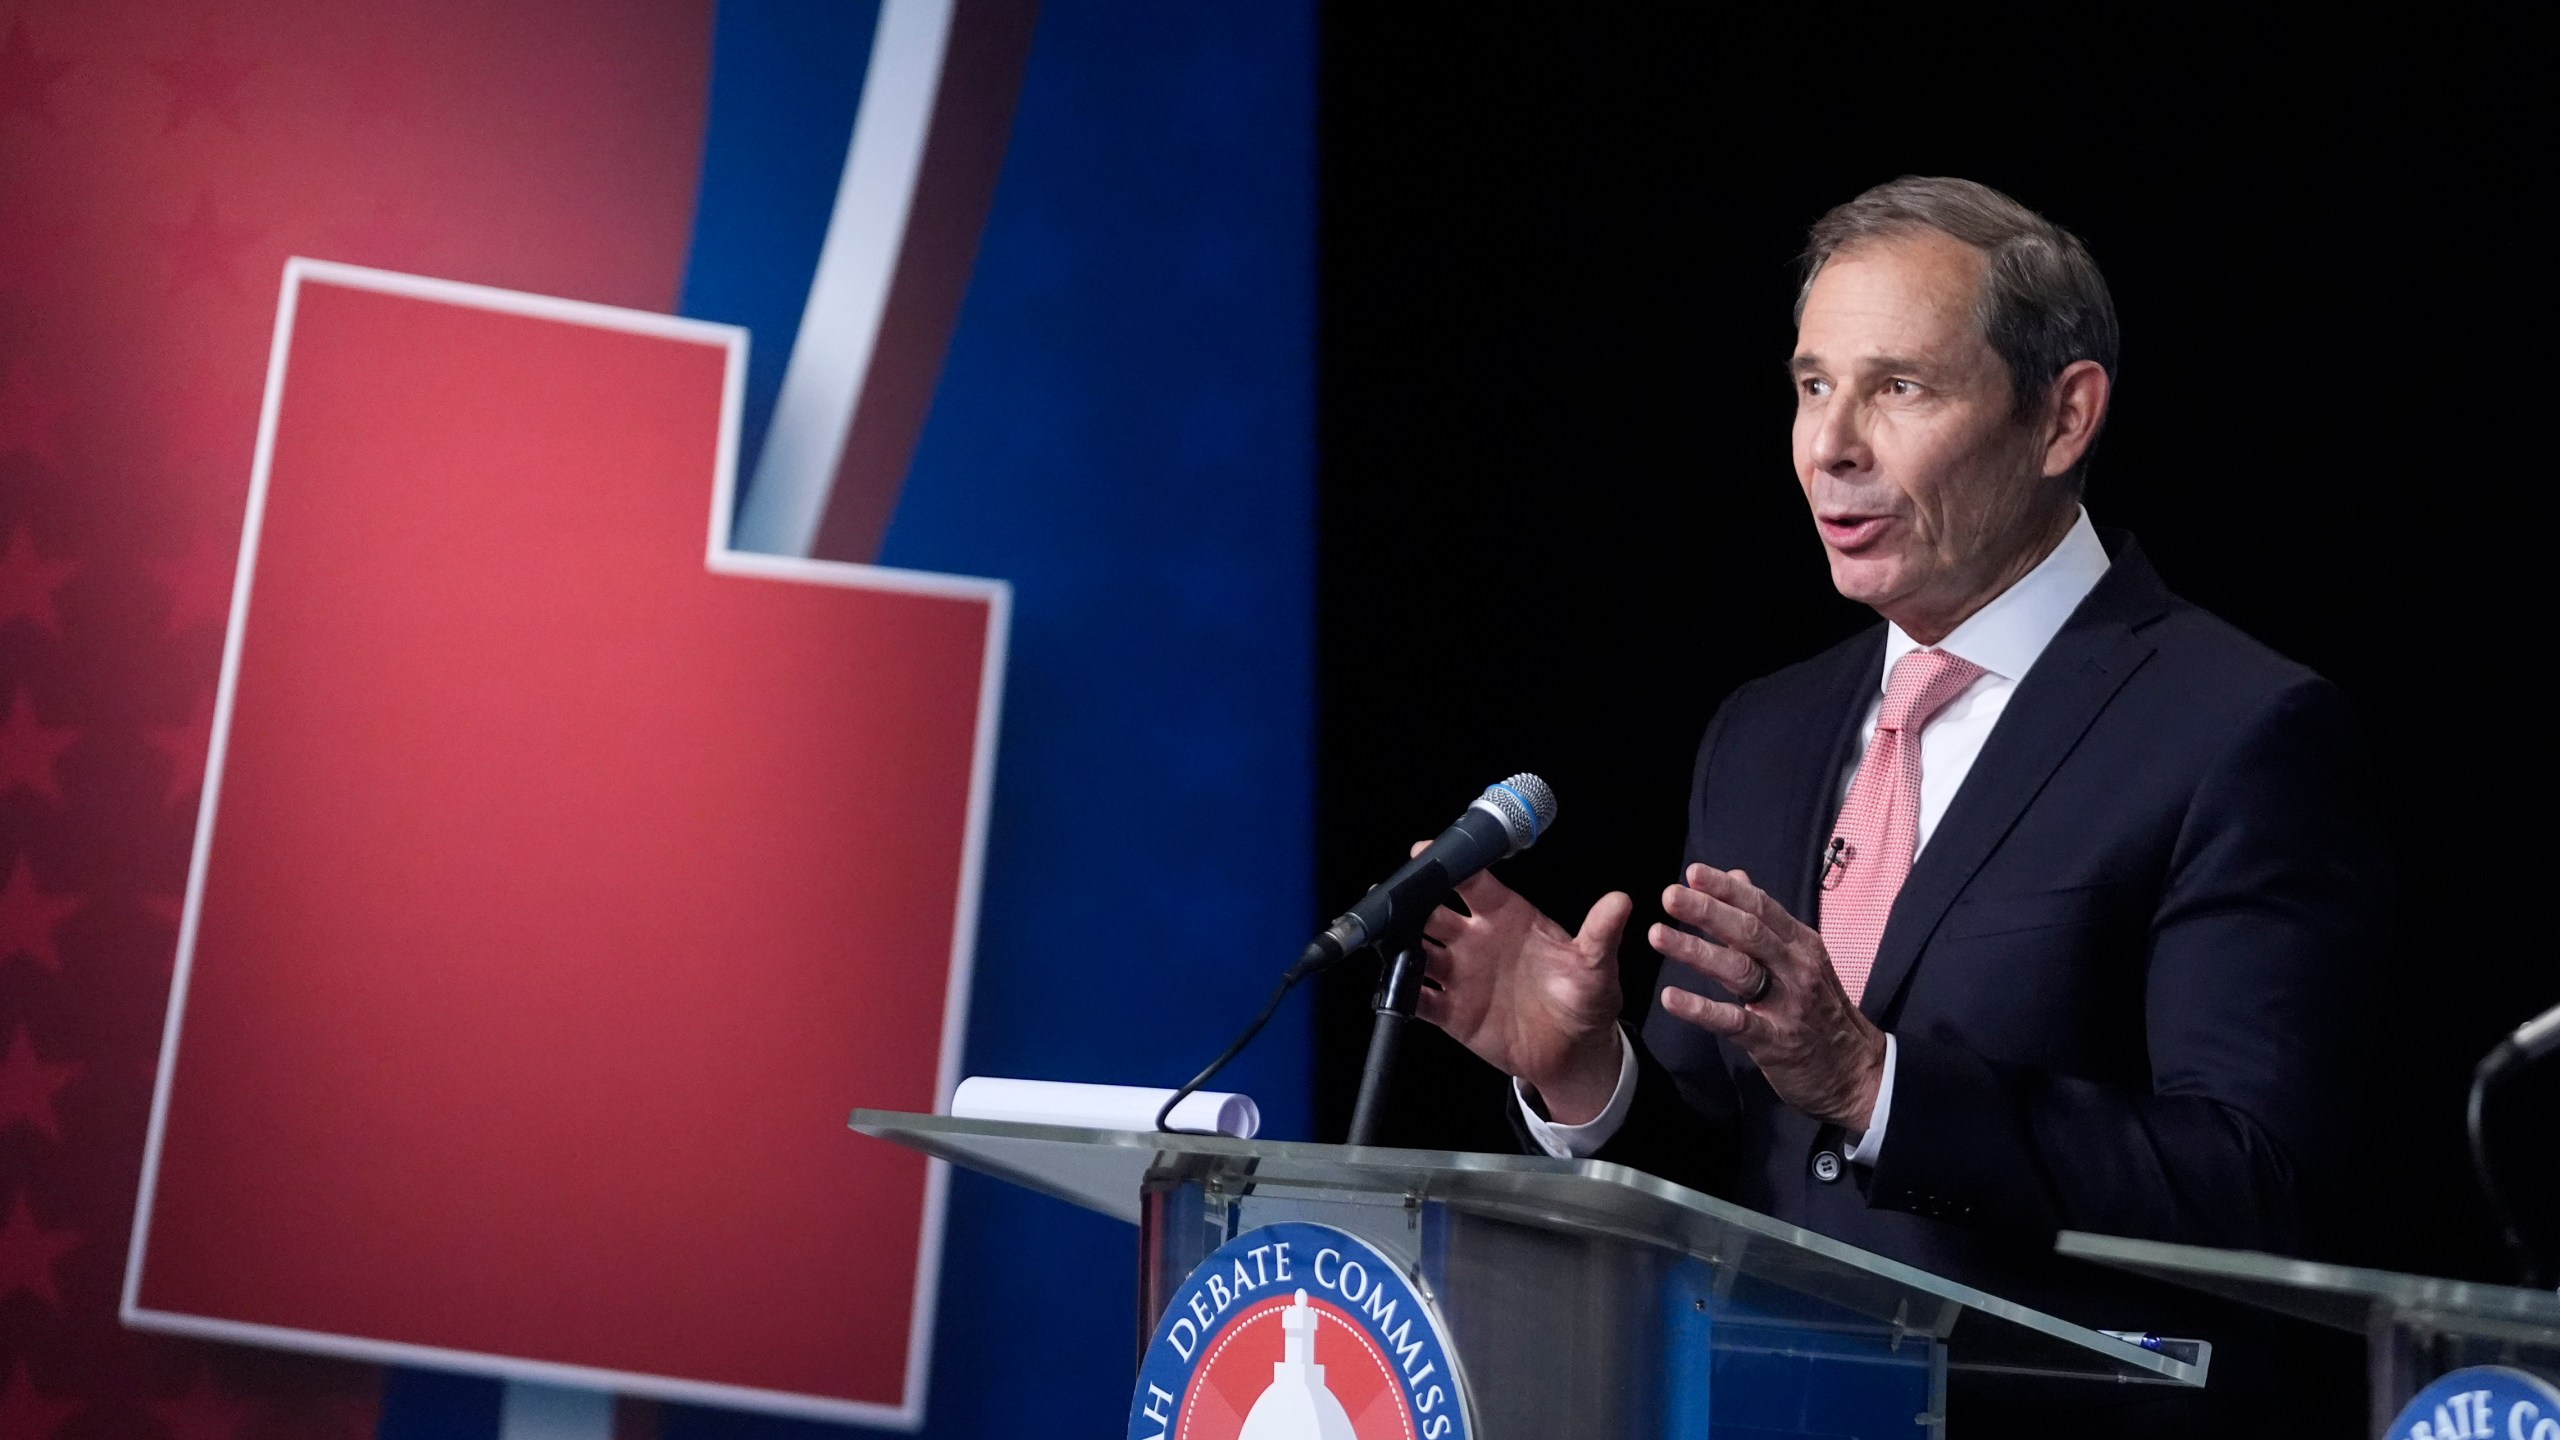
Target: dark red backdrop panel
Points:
(519, 802)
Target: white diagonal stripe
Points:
(839, 329)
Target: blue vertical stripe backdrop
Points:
(1124, 430)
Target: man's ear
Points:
(2077, 408)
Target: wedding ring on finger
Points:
(1759, 990)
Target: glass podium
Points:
(1582, 1299)
(2416, 1327)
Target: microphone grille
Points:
(1527, 806)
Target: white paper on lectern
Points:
(1102, 1107)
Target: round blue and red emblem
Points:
(2485, 1402)
(1299, 1332)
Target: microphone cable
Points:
(1313, 960)
(1505, 820)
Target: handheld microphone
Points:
(1506, 819)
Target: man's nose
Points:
(1840, 439)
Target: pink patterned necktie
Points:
(1879, 826)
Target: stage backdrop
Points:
(1027, 297)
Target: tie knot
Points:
(1923, 682)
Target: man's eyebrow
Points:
(1809, 364)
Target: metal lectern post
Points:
(1399, 993)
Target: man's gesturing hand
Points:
(1528, 998)
(1820, 1054)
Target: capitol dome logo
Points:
(1298, 1332)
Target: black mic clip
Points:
(1409, 903)
(1835, 861)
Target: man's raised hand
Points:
(1528, 998)
(1821, 1055)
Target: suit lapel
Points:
(2089, 660)
(1821, 767)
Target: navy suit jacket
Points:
(2127, 975)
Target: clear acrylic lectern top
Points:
(2346, 1297)
(2416, 1327)
(1775, 1267)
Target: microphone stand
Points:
(2495, 1066)
(1399, 991)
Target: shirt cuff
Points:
(1581, 1142)
(1871, 1144)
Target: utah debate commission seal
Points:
(2485, 1402)
(1298, 1332)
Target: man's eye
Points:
(1903, 387)
(1812, 387)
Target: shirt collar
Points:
(2005, 636)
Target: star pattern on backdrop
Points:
(205, 250)
(31, 413)
(205, 1412)
(28, 1251)
(28, 582)
(28, 915)
(26, 77)
(27, 1413)
(186, 744)
(205, 80)
(28, 1083)
(29, 749)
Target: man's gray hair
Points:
(2043, 303)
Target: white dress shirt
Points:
(2004, 637)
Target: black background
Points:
(1559, 524)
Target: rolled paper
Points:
(1102, 1107)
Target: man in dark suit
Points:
(2051, 903)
